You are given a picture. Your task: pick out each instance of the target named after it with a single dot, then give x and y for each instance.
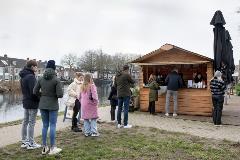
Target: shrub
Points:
(237, 87)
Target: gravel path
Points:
(11, 134)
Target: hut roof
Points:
(170, 54)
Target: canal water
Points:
(11, 103)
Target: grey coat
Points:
(51, 90)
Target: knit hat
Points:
(217, 74)
(51, 64)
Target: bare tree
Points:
(87, 61)
(69, 61)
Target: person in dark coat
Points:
(153, 93)
(174, 82)
(217, 87)
(30, 104)
(113, 99)
(51, 90)
(198, 78)
(123, 83)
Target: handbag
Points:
(90, 95)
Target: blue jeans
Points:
(90, 126)
(123, 101)
(217, 110)
(49, 117)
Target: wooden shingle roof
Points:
(170, 54)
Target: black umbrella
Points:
(228, 58)
(219, 46)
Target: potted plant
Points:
(135, 97)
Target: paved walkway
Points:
(202, 128)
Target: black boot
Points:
(112, 112)
(75, 127)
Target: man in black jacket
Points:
(174, 82)
(30, 104)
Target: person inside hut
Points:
(183, 82)
(198, 78)
(153, 94)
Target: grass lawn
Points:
(136, 143)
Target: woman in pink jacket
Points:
(89, 104)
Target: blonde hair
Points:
(86, 82)
(78, 74)
(152, 78)
(113, 80)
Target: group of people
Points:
(120, 96)
(174, 81)
(43, 94)
(40, 94)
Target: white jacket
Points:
(73, 92)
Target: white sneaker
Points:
(55, 150)
(167, 114)
(33, 145)
(24, 144)
(95, 135)
(128, 126)
(45, 150)
(174, 114)
(119, 126)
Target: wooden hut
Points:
(191, 101)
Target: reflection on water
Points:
(11, 103)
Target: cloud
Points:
(49, 29)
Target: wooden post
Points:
(147, 72)
(209, 73)
(141, 77)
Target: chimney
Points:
(34, 59)
(40, 61)
(5, 55)
(27, 59)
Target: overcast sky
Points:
(48, 29)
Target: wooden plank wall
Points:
(209, 74)
(190, 102)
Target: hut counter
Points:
(191, 101)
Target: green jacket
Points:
(153, 93)
(123, 83)
(51, 89)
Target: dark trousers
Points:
(151, 107)
(217, 110)
(112, 112)
(123, 101)
(76, 109)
